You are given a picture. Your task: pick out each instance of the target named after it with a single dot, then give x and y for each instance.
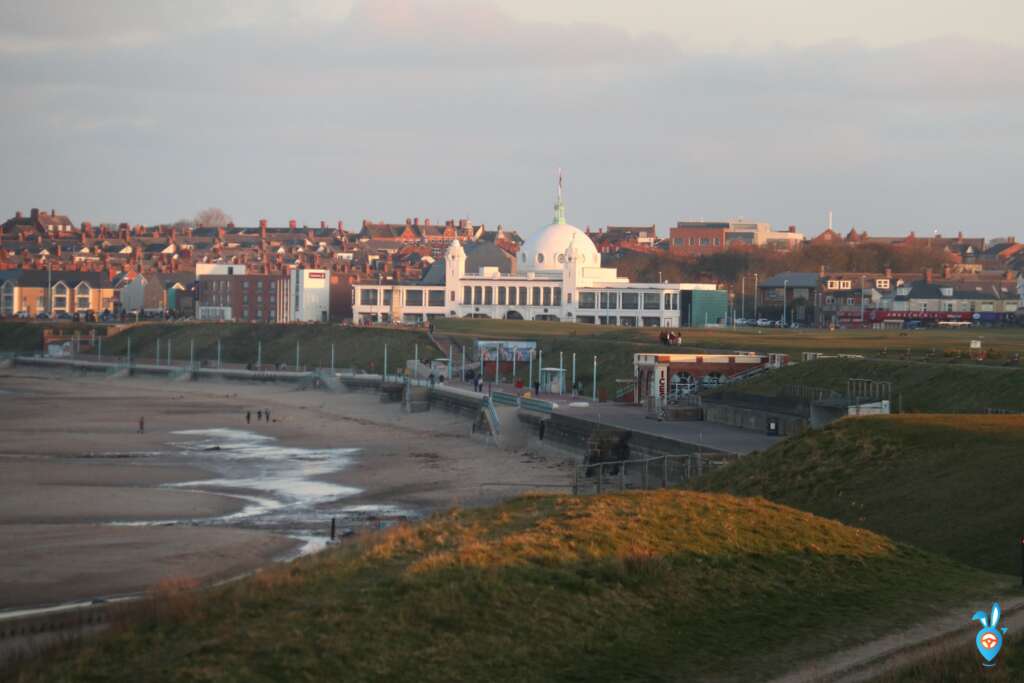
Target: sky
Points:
(894, 116)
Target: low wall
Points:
(454, 400)
(572, 435)
(754, 419)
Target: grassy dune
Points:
(924, 387)
(664, 585)
(946, 483)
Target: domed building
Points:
(558, 276)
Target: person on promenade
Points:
(259, 415)
(142, 425)
(267, 413)
(248, 416)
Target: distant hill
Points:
(664, 585)
(946, 483)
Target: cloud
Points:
(405, 107)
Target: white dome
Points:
(546, 251)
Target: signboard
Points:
(317, 276)
(975, 343)
(487, 350)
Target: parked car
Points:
(764, 322)
(42, 316)
(63, 315)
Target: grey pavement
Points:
(716, 436)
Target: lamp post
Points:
(594, 389)
(862, 301)
(756, 290)
(785, 288)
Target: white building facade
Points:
(308, 296)
(558, 277)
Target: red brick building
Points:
(698, 238)
(242, 298)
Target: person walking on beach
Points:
(142, 425)
(248, 416)
(267, 413)
(259, 415)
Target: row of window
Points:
(629, 301)
(627, 321)
(512, 296)
(413, 297)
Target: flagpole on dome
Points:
(560, 205)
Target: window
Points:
(60, 300)
(414, 297)
(630, 300)
(368, 297)
(675, 301)
(82, 297)
(522, 296)
(650, 302)
(488, 296)
(540, 258)
(568, 297)
(478, 295)
(259, 298)
(511, 296)
(502, 296)
(435, 297)
(587, 299)
(259, 285)
(609, 300)
(388, 297)
(467, 295)
(849, 301)
(668, 301)
(453, 296)
(536, 296)
(547, 296)
(651, 322)
(245, 284)
(245, 299)
(557, 296)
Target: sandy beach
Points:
(73, 468)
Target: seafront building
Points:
(555, 276)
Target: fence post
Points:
(664, 471)
(700, 464)
(622, 476)
(646, 460)
(575, 480)
(600, 473)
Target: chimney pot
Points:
(292, 224)
(323, 224)
(263, 223)
(17, 214)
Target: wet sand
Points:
(71, 459)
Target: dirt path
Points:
(870, 660)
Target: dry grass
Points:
(920, 479)
(653, 585)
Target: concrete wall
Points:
(753, 419)
(572, 435)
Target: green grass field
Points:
(354, 347)
(917, 386)
(868, 342)
(948, 484)
(665, 585)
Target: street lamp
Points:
(756, 290)
(785, 287)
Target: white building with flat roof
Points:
(557, 276)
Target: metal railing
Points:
(656, 472)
